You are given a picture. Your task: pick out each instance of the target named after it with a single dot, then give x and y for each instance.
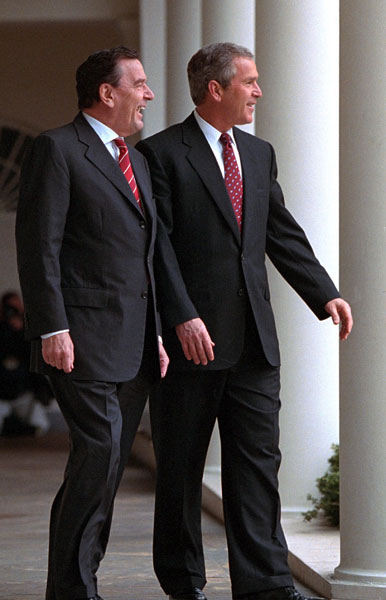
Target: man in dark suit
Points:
(85, 232)
(219, 329)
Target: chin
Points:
(138, 126)
(135, 128)
(245, 119)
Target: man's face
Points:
(239, 98)
(130, 98)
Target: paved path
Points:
(31, 471)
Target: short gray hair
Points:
(213, 62)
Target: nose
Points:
(148, 94)
(257, 91)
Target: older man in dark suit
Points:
(85, 236)
(221, 211)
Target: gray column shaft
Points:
(363, 276)
(297, 50)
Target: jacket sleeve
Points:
(41, 216)
(175, 304)
(290, 251)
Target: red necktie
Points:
(127, 170)
(233, 180)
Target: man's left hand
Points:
(340, 312)
(163, 360)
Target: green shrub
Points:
(328, 486)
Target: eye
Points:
(140, 85)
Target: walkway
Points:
(31, 471)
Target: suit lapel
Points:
(252, 179)
(143, 180)
(97, 154)
(204, 163)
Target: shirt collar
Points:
(103, 131)
(211, 133)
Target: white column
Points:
(229, 21)
(184, 39)
(363, 277)
(152, 23)
(297, 57)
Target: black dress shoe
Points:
(284, 593)
(193, 594)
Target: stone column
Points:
(297, 57)
(183, 40)
(362, 570)
(153, 29)
(229, 21)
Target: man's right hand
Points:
(195, 341)
(58, 351)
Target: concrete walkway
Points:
(31, 471)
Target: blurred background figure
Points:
(24, 396)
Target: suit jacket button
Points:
(240, 292)
(142, 224)
(144, 295)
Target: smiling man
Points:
(85, 232)
(221, 211)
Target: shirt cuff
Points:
(48, 335)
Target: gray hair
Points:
(213, 62)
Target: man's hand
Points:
(58, 351)
(163, 359)
(195, 341)
(340, 312)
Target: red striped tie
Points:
(127, 170)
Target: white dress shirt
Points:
(106, 134)
(213, 138)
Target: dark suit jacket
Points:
(85, 251)
(212, 269)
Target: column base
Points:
(349, 590)
(360, 576)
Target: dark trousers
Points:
(102, 418)
(245, 400)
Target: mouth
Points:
(140, 109)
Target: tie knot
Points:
(120, 143)
(225, 139)
(122, 147)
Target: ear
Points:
(106, 94)
(215, 90)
